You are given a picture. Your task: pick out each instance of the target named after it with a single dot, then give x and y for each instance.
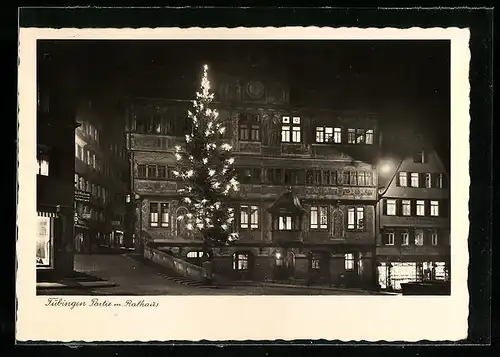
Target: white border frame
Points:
(369, 318)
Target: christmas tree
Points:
(205, 167)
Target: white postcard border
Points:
(240, 318)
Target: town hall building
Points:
(306, 208)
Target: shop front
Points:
(391, 274)
(54, 250)
(82, 231)
(45, 240)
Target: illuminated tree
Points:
(205, 167)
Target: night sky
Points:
(408, 82)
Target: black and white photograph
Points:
(256, 167)
(216, 168)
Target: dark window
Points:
(361, 178)
(152, 171)
(249, 127)
(345, 178)
(310, 177)
(388, 238)
(352, 178)
(162, 172)
(249, 175)
(420, 157)
(326, 177)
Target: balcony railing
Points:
(287, 236)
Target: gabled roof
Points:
(287, 203)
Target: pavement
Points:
(127, 274)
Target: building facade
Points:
(55, 134)
(308, 193)
(100, 180)
(413, 243)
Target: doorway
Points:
(284, 265)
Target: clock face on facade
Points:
(255, 89)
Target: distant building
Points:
(306, 208)
(101, 176)
(413, 243)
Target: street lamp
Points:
(387, 171)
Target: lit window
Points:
(153, 214)
(320, 134)
(240, 261)
(355, 218)
(403, 179)
(406, 207)
(405, 238)
(434, 238)
(337, 135)
(44, 241)
(391, 207)
(351, 136)
(290, 131)
(420, 208)
(328, 135)
(319, 217)
(296, 134)
(349, 261)
(419, 237)
(284, 223)
(428, 180)
(315, 261)
(435, 208)
(388, 238)
(165, 218)
(285, 133)
(369, 136)
(360, 136)
(194, 254)
(43, 167)
(414, 179)
(249, 217)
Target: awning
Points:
(48, 214)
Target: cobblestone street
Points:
(133, 278)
